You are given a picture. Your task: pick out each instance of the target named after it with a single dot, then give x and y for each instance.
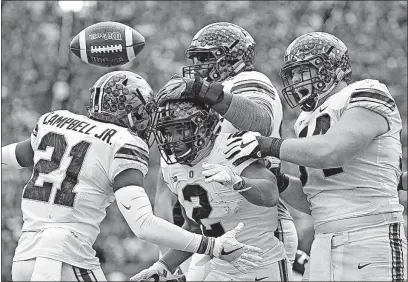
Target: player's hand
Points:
(177, 88)
(241, 256)
(222, 174)
(197, 88)
(157, 272)
(242, 146)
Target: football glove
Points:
(177, 88)
(241, 256)
(157, 272)
(242, 146)
(182, 88)
(224, 175)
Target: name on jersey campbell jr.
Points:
(79, 126)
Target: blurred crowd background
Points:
(39, 74)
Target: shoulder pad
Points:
(370, 84)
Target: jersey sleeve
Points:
(373, 96)
(34, 133)
(253, 82)
(257, 87)
(130, 152)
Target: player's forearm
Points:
(173, 258)
(314, 151)
(137, 210)
(245, 114)
(262, 192)
(294, 195)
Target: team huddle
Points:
(218, 129)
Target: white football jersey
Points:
(75, 162)
(258, 87)
(219, 209)
(368, 183)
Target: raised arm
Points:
(341, 142)
(251, 109)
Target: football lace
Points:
(106, 49)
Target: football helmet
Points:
(220, 50)
(126, 99)
(183, 130)
(327, 55)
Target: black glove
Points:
(182, 88)
(177, 88)
(206, 92)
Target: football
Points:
(107, 44)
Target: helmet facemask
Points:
(324, 58)
(215, 64)
(312, 85)
(183, 130)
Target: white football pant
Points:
(23, 271)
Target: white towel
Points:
(320, 258)
(46, 269)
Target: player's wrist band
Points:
(270, 146)
(240, 186)
(206, 245)
(164, 264)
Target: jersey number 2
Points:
(322, 125)
(203, 211)
(64, 195)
